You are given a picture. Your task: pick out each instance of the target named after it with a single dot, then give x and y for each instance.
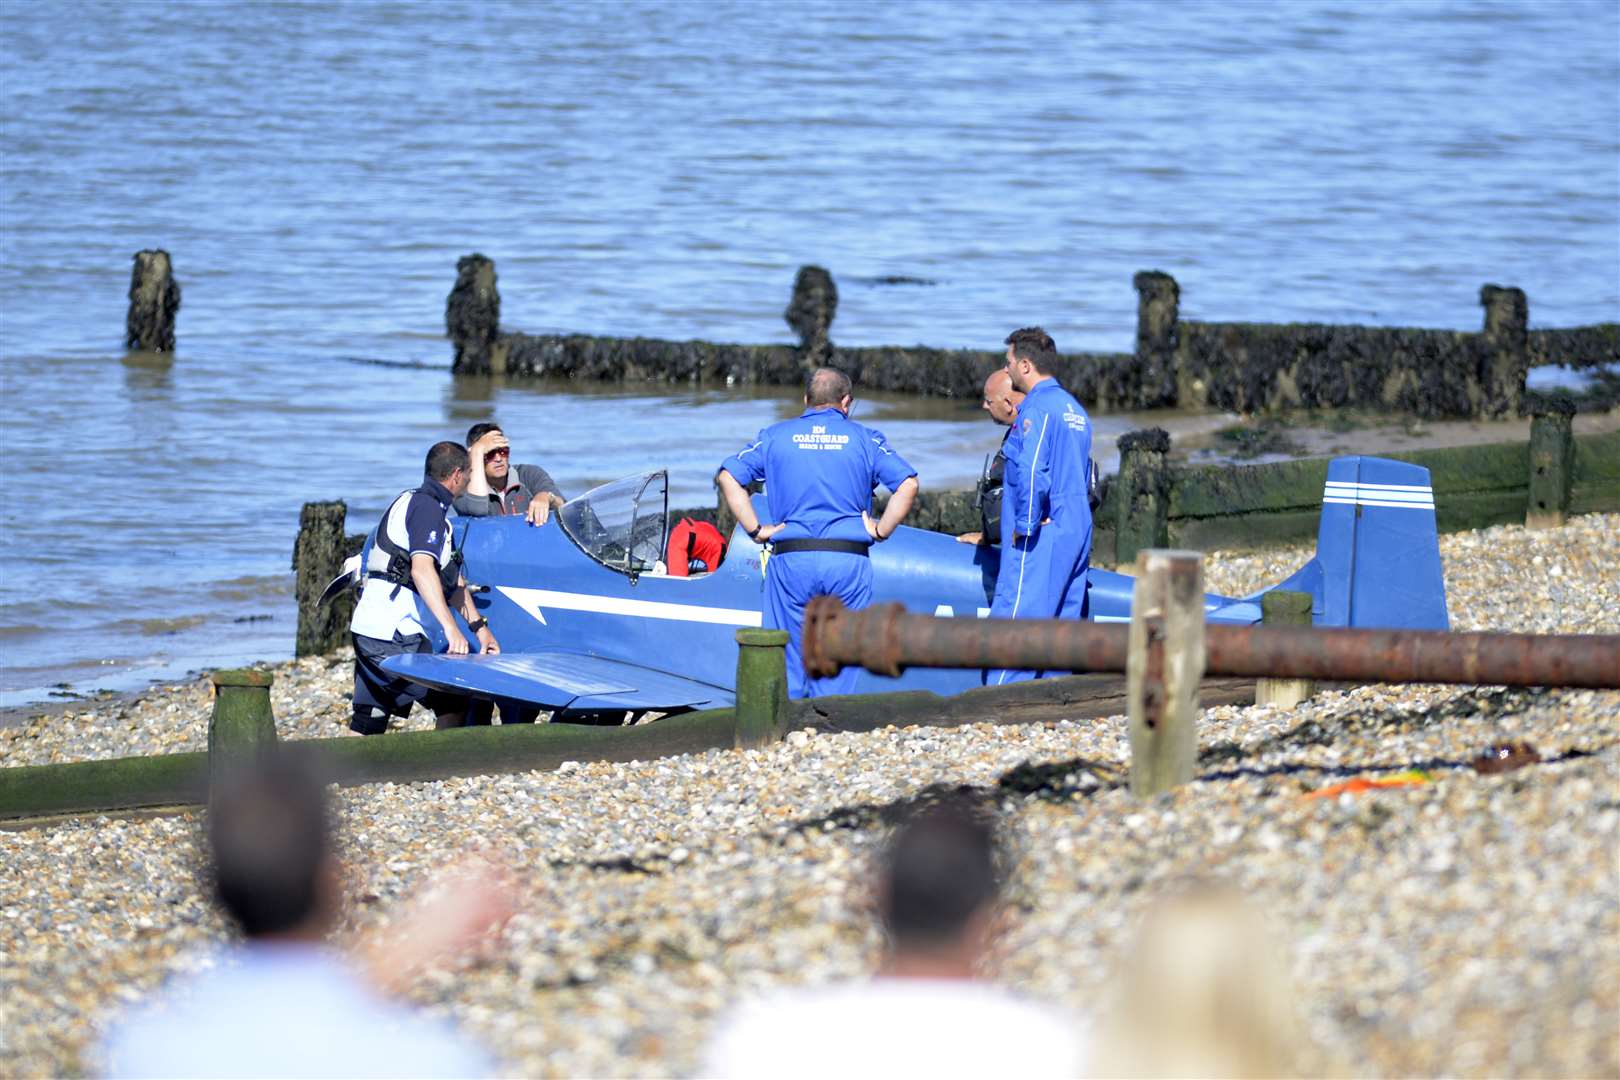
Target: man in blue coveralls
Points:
(819, 471)
(1046, 512)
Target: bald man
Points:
(819, 470)
(1001, 401)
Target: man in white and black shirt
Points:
(409, 557)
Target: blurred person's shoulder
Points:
(283, 1012)
(905, 1026)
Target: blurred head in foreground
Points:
(269, 838)
(938, 891)
(287, 1004)
(925, 1013)
(1205, 992)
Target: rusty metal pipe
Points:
(886, 640)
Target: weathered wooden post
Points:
(1284, 607)
(1141, 494)
(318, 556)
(242, 727)
(1158, 305)
(810, 313)
(761, 686)
(472, 318)
(1507, 349)
(1163, 668)
(154, 298)
(1552, 463)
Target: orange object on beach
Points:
(1411, 778)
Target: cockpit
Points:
(624, 525)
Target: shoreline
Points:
(21, 715)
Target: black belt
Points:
(848, 547)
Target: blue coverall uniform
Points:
(819, 472)
(1045, 505)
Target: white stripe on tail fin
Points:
(1377, 558)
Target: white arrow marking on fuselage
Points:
(534, 600)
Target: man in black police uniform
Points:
(1001, 401)
(409, 556)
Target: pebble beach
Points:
(1467, 925)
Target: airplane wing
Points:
(556, 679)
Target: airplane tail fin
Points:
(1377, 558)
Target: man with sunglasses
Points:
(498, 487)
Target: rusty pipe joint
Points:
(879, 637)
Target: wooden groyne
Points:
(1151, 503)
(1176, 362)
(1207, 507)
(242, 725)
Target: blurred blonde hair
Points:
(1205, 992)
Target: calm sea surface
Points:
(662, 169)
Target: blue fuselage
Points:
(545, 592)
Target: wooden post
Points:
(723, 518)
(1157, 312)
(1284, 607)
(1141, 494)
(318, 556)
(761, 686)
(472, 317)
(1506, 340)
(1163, 668)
(242, 726)
(810, 313)
(154, 298)
(1552, 464)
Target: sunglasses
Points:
(500, 451)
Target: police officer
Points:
(1001, 401)
(819, 471)
(409, 556)
(1046, 515)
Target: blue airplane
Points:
(589, 622)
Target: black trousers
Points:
(379, 695)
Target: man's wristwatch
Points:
(753, 534)
(478, 624)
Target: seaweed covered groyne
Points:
(1244, 367)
